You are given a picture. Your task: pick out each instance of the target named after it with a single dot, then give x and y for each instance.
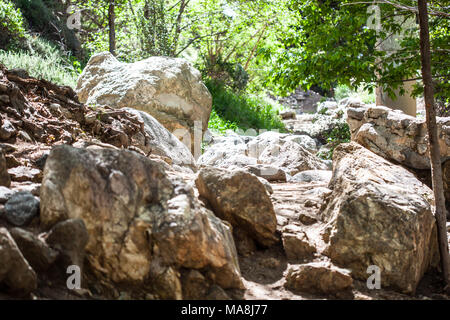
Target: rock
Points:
(318, 278)
(288, 114)
(69, 238)
(268, 172)
(217, 293)
(241, 199)
(5, 179)
(195, 286)
(379, 214)
(307, 219)
(152, 223)
(397, 136)
(161, 142)
(22, 173)
(446, 181)
(293, 158)
(296, 244)
(21, 208)
(7, 130)
(312, 176)
(5, 194)
(36, 252)
(326, 106)
(15, 271)
(229, 152)
(169, 89)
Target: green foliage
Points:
(343, 91)
(339, 134)
(333, 41)
(44, 61)
(11, 24)
(241, 110)
(220, 125)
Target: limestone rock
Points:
(292, 157)
(318, 278)
(169, 89)
(161, 142)
(379, 214)
(397, 136)
(312, 176)
(69, 238)
(241, 199)
(15, 271)
(296, 244)
(39, 255)
(143, 225)
(268, 172)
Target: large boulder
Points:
(240, 198)
(378, 214)
(397, 136)
(143, 225)
(169, 89)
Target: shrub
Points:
(241, 110)
(11, 24)
(44, 61)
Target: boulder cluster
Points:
(102, 179)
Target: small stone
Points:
(22, 173)
(306, 219)
(7, 130)
(15, 271)
(318, 278)
(5, 194)
(21, 208)
(36, 251)
(217, 293)
(69, 237)
(296, 244)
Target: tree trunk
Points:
(435, 156)
(112, 27)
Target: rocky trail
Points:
(96, 180)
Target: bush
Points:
(241, 110)
(11, 24)
(44, 61)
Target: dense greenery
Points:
(244, 48)
(243, 111)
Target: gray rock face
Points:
(397, 136)
(378, 214)
(21, 208)
(318, 277)
(153, 224)
(36, 251)
(241, 199)
(169, 89)
(15, 271)
(161, 142)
